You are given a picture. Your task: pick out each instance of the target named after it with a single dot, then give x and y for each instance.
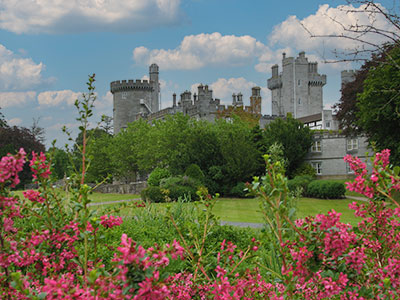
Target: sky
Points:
(49, 47)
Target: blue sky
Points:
(48, 48)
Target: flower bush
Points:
(49, 245)
(321, 258)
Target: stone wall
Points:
(123, 188)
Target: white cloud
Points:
(329, 21)
(18, 73)
(54, 98)
(197, 51)
(49, 16)
(14, 122)
(12, 99)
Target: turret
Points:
(155, 100)
(153, 72)
(234, 99)
(239, 99)
(174, 100)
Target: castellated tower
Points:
(347, 76)
(298, 88)
(133, 99)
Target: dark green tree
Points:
(3, 122)
(295, 138)
(379, 105)
(60, 163)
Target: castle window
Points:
(316, 146)
(317, 165)
(124, 95)
(352, 144)
(299, 101)
(298, 82)
(327, 124)
(348, 169)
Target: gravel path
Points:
(357, 198)
(112, 202)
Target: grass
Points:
(241, 210)
(248, 210)
(97, 197)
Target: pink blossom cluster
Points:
(10, 166)
(34, 196)
(325, 259)
(110, 221)
(39, 166)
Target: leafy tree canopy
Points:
(294, 137)
(379, 104)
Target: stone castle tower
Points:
(298, 88)
(132, 99)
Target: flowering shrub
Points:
(48, 246)
(322, 258)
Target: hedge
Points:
(326, 189)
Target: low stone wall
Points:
(122, 188)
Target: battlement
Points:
(130, 85)
(317, 80)
(274, 83)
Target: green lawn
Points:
(98, 197)
(248, 210)
(244, 210)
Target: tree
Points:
(347, 108)
(379, 105)
(60, 163)
(3, 122)
(295, 138)
(239, 152)
(37, 131)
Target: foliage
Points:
(239, 190)
(100, 166)
(12, 139)
(195, 172)
(299, 184)
(181, 187)
(61, 165)
(3, 122)
(157, 175)
(239, 154)
(325, 189)
(305, 169)
(379, 103)
(284, 132)
(153, 194)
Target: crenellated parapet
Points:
(131, 85)
(316, 80)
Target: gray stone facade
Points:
(298, 88)
(132, 99)
(329, 148)
(140, 99)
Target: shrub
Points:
(239, 190)
(300, 183)
(181, 186)
(153, 194)
(157, 175)
(326, 189)
(195, 172)
(305, 169)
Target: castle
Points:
(140, 99)
(297, 90)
